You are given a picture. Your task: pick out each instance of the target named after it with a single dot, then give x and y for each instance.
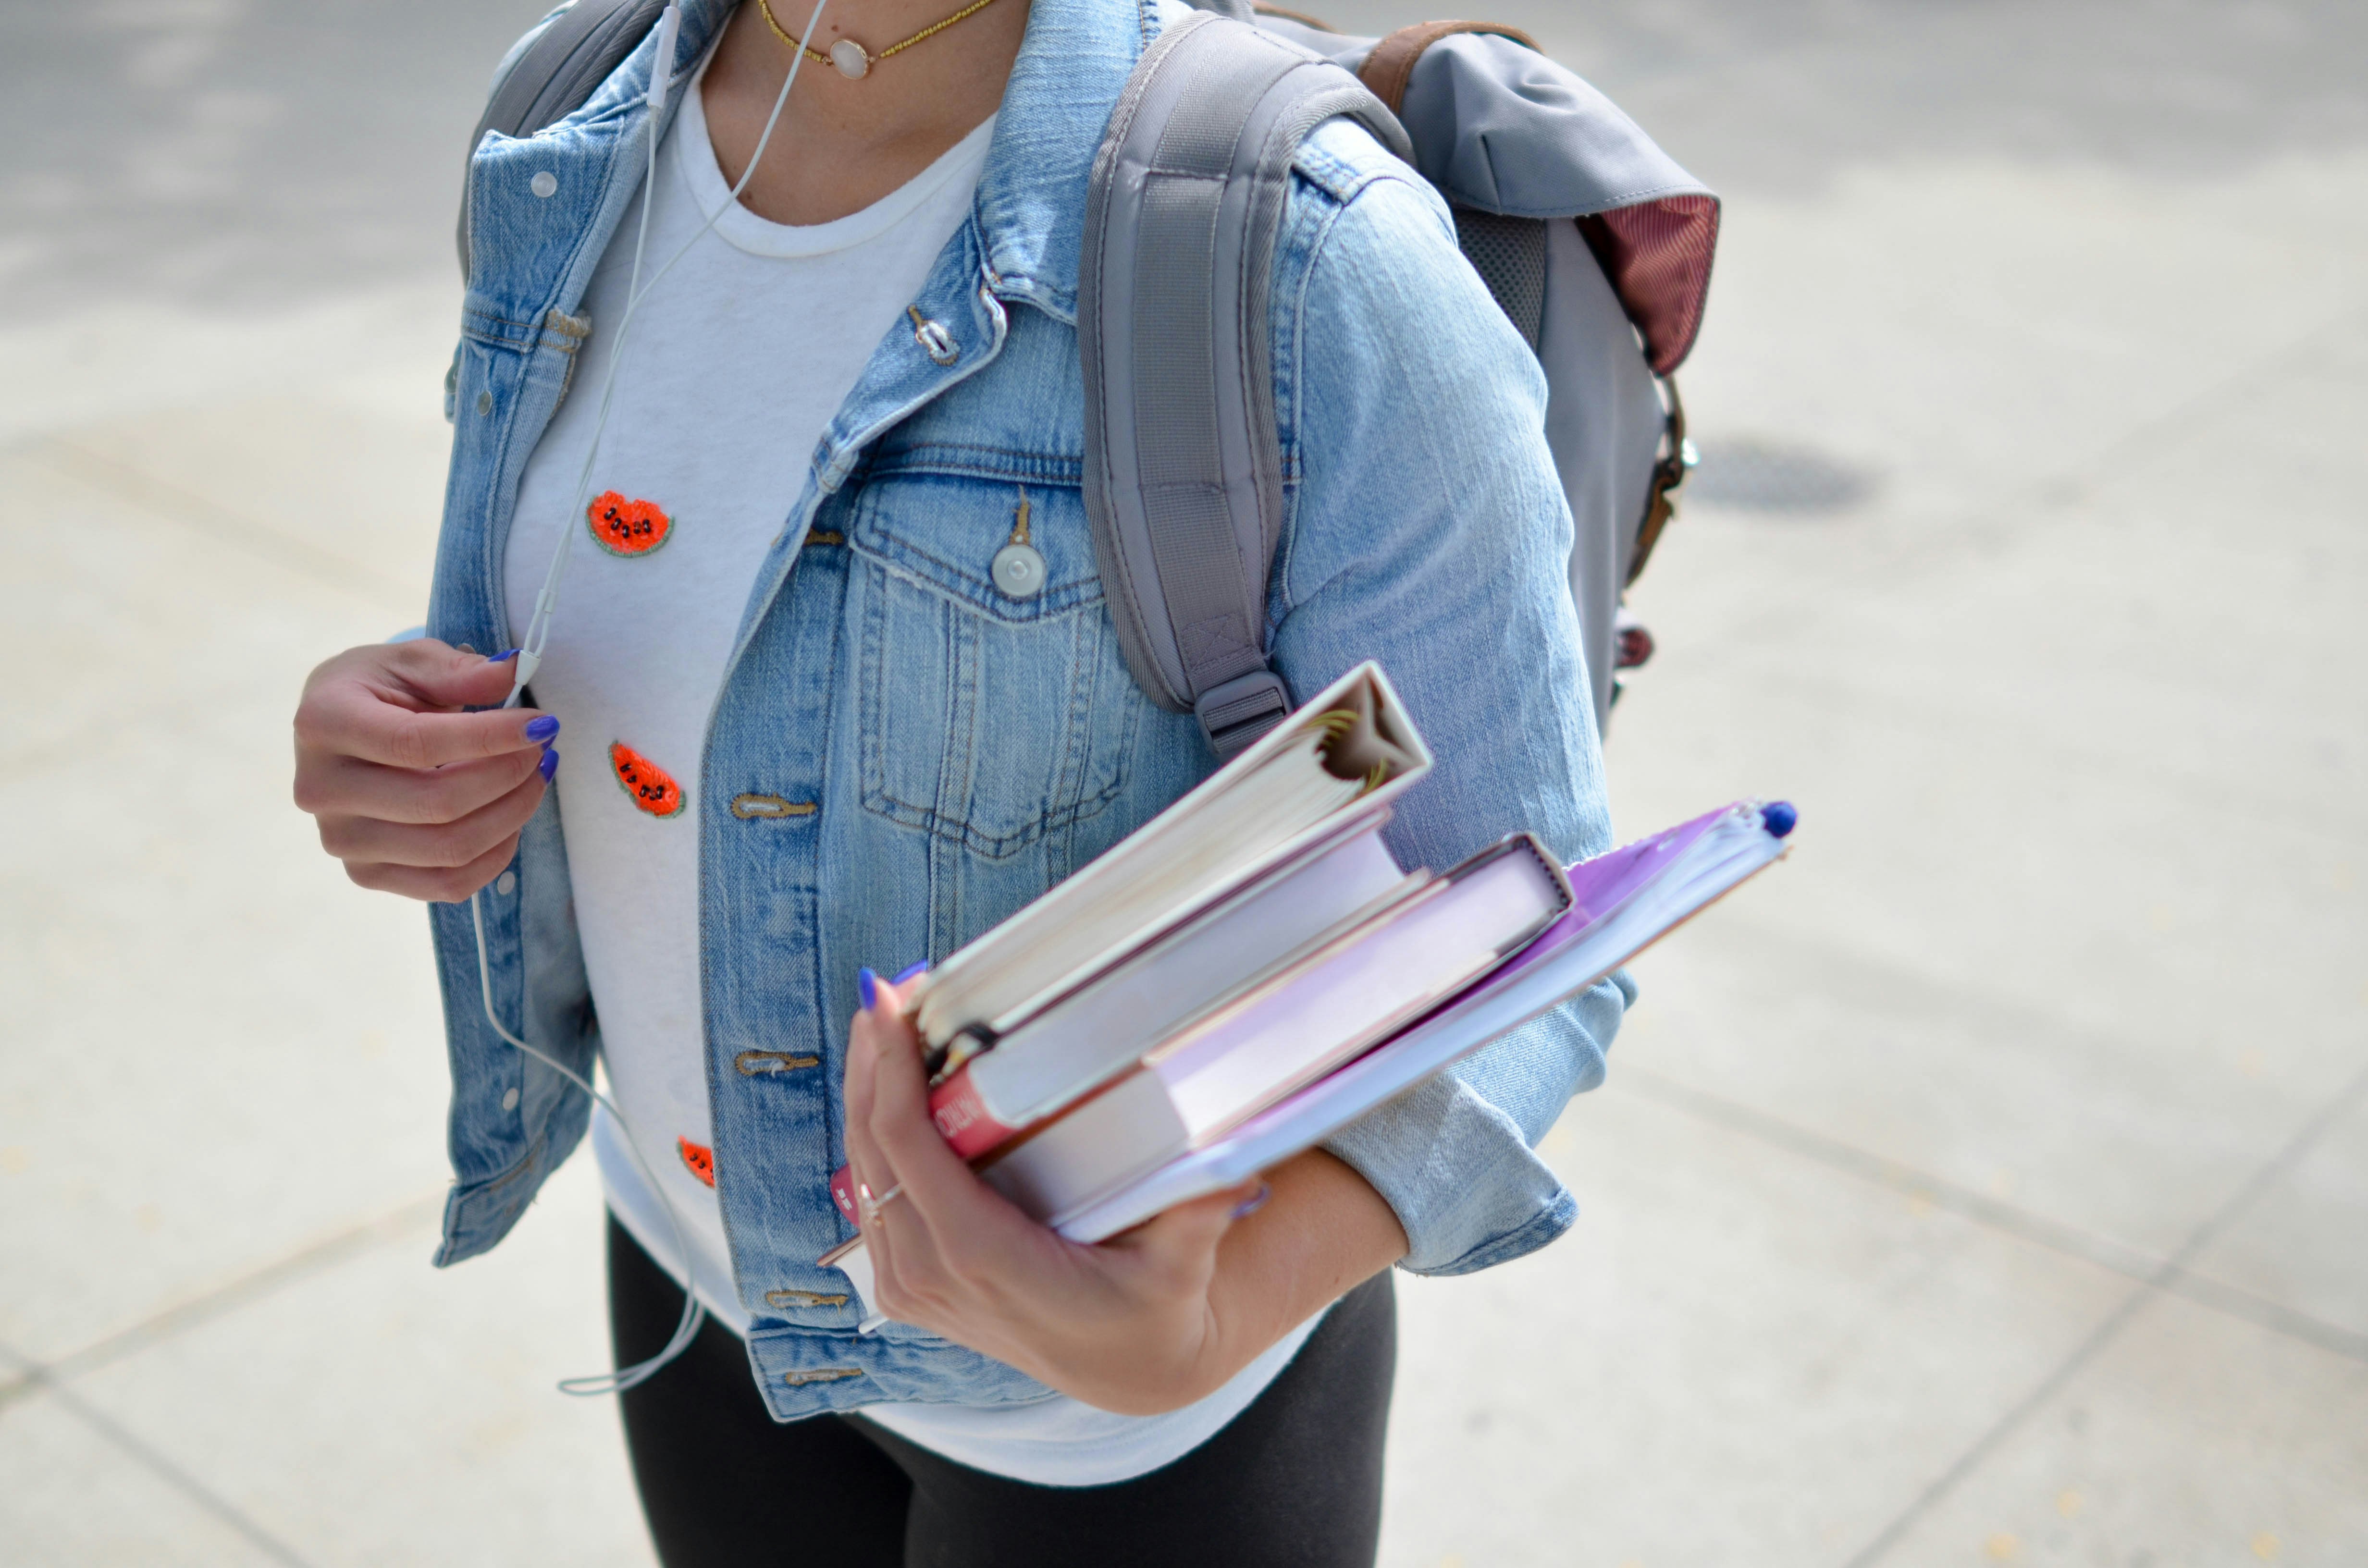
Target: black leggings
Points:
(1294, 1480)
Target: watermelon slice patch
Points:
(627, 528)
(700, 1158)
(652, 787)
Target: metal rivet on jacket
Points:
(933, 337)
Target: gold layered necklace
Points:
(851, 59)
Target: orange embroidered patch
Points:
(700, 1158)
(627, 528)
(652, 787)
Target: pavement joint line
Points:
(2133, 1263)
(2345, 1101)
(249, 1288)
(165, 1469)
(174, 505)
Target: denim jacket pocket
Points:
(988, 718)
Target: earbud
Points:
(527, 665)
(662, 69)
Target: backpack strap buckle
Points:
(1238, 712)
(1678, 457)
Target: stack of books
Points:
(1252, 969)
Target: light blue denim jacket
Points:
(965, 751)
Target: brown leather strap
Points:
(1661, 497)
(1302, 17)
(1387, 70)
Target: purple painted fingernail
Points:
(1253, 1202)
(502, 658)
(541, 727)
(909, 971)
(869, 984)
(548, 765)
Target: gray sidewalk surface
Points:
(1987, 1184)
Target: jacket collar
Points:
(1031, 193)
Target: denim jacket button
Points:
(1018, 571)
(510, 1099)
(544, 183)
(506, 883)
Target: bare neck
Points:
(842, 144)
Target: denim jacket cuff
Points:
(477, 1215)
(1463, 1182)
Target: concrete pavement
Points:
(1989, 1184)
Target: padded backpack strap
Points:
(1390, 67)
(555, 70)
(1183, 460)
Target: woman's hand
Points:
(414, 796)
(1143, 1323)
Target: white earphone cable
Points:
(693, 1312)
(538, 636)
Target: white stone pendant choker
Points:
(850, 59)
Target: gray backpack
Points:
(1594, 243)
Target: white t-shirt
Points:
(737, 360)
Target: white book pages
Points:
(1111, 1024)
(1397, 967)
(1124, 1133)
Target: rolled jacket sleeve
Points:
(1426, 530)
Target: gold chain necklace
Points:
(853, 61)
